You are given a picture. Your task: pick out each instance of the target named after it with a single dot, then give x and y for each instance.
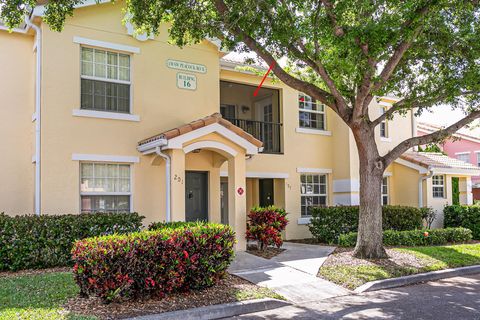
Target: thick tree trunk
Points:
(370, 230)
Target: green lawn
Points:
(38, 296)
(430, 259)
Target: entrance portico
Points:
(201, 148)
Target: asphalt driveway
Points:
(453, 298)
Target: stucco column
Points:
(465, 189)
(237, 199)
(177, 184)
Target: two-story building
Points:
(97, 118)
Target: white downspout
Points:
(38, 79)
(168, 185)
(420, 186)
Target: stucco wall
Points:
(16, 129)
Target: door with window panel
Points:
(105, 187)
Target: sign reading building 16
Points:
(186, 81)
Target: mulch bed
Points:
(344, 256)
(224, 292)
(268, 253)
(309, 241)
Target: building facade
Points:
(96, 118)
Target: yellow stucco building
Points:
(96, 118)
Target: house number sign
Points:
(186, 81)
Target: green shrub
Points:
(328, 223)
(153, 263)
(45, 241)
(463, 216)
(413, 238)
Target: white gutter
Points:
(420, 186)
(168, 183)
(38, 108)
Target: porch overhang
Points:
(437, 163)
(178, 138)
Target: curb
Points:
(218, 311)
(416, 278)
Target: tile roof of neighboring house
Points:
(464, 133)
(437, 160)
(214, 118)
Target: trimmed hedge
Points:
(175, 224)
(153, 263)
(414, 238)
(328, 223)
(45, 241)
(463, 216)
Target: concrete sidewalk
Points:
(293, 273)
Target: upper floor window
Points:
(465, 157)
(105, 187)
(383, 124)
(438, 183)
(385, 191)
(313, 190)
(105, 80)
(478, 159)
(311, 113)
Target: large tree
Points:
(343, 53)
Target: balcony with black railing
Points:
(267, 132)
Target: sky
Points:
(445, 116)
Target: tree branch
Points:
(308, 88)
(337, 30)
(429, 138)
(402, 47)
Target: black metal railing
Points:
(267, 132)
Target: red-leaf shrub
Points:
(265, 226)
(153, 262)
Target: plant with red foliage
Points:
(265, 226)
(153, 263)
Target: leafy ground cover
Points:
(342, 268)
(53, 295)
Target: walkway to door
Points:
(293, 273)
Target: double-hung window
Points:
(313, 190)
(383, 124)
(311, 113)
(385, 191)
(465, 157)
(438, 184)
(105, 80)
(105, 187)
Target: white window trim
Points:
(106, 45)
(443, 185)
(385, 139)
(130, 83)
(313, 131)
(324, 113)
(388, 190)
(303, 220)
(105, 115)
(315, 170)
(465, 152)
(314, 194)
(106, 193)
(104, 158)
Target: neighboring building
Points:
(98, 136)
(464, 146)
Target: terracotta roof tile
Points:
(197, 124)
(437, 160)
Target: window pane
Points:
(87, 54)
(87, 68)
(124, 60)
(105, 203)
(124, 74)
(112, 58)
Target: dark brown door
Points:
(266, 192)
(196, 196)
